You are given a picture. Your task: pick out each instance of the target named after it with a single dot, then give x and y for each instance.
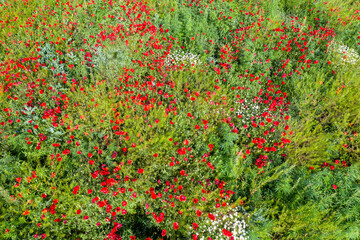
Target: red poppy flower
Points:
(182, 198)
(227, 233)
(198, 213)
(153, 195)
(76, 189)
(211, 216)
(176, 225)
(104, 190)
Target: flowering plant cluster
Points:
(111, 127)
(229, 225)
(183, 59)
(347, 55)
(248, 110)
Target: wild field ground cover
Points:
(179, 119)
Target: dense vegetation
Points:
(179, 119)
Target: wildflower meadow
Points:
(179, 119)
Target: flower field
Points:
(179, 119)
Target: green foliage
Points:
(90, 99)
(326, 120)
